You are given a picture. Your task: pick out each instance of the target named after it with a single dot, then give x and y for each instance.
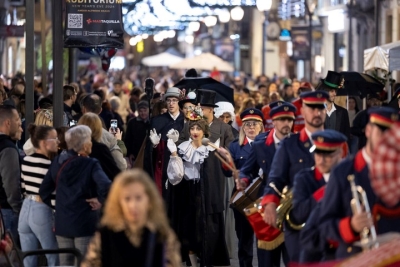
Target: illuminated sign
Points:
(285, 35)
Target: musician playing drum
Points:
(263, 150)
(309, 186)
(292, 156)
(337, 221)
(241, 149)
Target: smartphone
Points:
(72, 123)
(114, 125)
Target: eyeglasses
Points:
(174, 101)
(54, 139)
(250, 124)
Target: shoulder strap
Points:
(62, 167)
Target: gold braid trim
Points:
(270, 245)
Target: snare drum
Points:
(268, 237)
(241, 199)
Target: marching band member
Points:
(309, 184)
(292, 156)
(241, 150)
(337, 221)
(268, 125)
(262, 153)
(299, 120)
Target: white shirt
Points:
(276, 140)
(367, 158)
(329, 112)
(308, 134)
(326, 176)
(249, 140)
(174, 117)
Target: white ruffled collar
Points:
(191, 154)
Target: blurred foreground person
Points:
(81, 186)
(134, 230)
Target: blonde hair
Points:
(44, 117)
(247, 103)
(94, 122)
(113, 217)
(242, 135)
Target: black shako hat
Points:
(206, 98)
(333, 81)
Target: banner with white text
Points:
(93, 23)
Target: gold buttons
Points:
(349, 249)
(378, 217)
(307, 144)
(263, 161)
(300, 160)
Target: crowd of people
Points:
(72, 187)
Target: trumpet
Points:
(367, 235)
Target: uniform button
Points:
(300, 160)
(378, 217)
(330, 246)
(241, 157)
(263, 161)
(349, 249)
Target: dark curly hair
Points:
(203, 126)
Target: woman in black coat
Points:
(99, 150)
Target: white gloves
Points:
(171, 145)
(154, 138)
(173, 134)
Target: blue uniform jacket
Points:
(292, 156)
(240, 153)
(308, 189)
(263, 151)
(336, 211)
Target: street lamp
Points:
(237, 14)
(264, 6)
(210, 21)
(224, 16)
(310, 6)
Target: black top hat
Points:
(206, 98)
(333, 81)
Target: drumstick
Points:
(225, 162)
(207, 142)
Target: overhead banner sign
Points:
(94, 23)
(301, 43)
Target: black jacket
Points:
(342, 123)
(135, 134)
(102, 153)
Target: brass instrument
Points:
(284, 208)
(368, 235)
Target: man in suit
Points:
(262, 153)
(337, 220)
(337, 118)
(156, 153)
(292, 156)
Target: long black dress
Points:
(198, 229)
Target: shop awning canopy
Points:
(161, 60)
(205, 61)
(386, 57)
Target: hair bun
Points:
(32, 129)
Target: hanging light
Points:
(132, 41)
(264, 5)
(145, 36)
(210, 21)
(237, 13)
(171, 34)
(189, 39)
(224, 16)
(194, 26)
(138, 38)
(158, 38)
